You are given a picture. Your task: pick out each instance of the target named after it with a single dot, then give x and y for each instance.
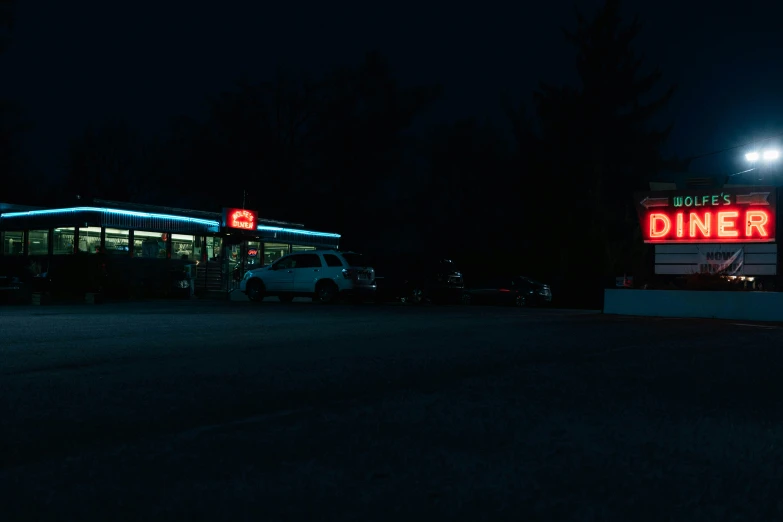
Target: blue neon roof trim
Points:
(295, 231)
(112, 211)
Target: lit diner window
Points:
(274, 251)
(214, 246)
(38, 242)
(89, 239)
(149, 244)
(117, 241)
(253, 255)
(62, 239)
(234, 253)
(182, 247)
(301, 248)
(13, 243)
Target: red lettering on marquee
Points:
(757, 219)
(660, 225)
(705, 225)
(726, 222)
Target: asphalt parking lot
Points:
(239, 411)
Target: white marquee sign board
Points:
(748, 259)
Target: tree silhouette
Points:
(597, 142)
(468, 193)
(7, 8)
(360, 141)
(253, 141)
(12, 126)
(113, 161)
(304, 150)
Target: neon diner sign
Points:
(241, 219)
(724, 217)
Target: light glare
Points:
(771, 154)
(752, 156)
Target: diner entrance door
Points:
(212, 265)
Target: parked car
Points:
(324, 275)
(508, 290)
(415, 281)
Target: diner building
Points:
(134, 241)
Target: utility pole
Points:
(244, 195)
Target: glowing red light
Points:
(727, 224)
(757, 220)
(241, 219)
(705, 225)
(504, 290)
(660, 225)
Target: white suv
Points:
(323, 275)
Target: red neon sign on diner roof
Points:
(727, 216)
(240, 219)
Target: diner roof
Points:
(203, 214)
(114, 214)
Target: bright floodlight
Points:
(771, 154)
(752, 156)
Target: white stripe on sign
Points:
(685, 269)
(693, 248)
(760, 259)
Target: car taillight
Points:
(348, 273)
(504, 290)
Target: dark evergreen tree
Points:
(470, 195)
(308, 151)
(15, 185)
(111, 161)
(598, 142)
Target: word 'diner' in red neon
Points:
(243, 219)
(709, 225)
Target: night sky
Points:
(81, 62)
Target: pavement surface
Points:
(237, 411)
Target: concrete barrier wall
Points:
(746, 306)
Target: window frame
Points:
(278, 264)
(336, 257)
(304, 255)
